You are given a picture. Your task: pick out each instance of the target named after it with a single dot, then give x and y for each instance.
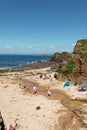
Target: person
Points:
(20, 86)
(49, 92)
(35, 89)
(10, 127)
(51, 78)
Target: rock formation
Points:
(61, 58)
(79, 55)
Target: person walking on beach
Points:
(49, 92)
(35, 89)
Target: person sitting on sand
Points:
(20, 86)
(10, 127)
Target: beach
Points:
(64, 109)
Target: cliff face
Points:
(79, 55)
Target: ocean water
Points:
(10, 61)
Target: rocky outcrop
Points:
(79, 56)
(61, 58)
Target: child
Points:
(49, 92)
(10, 127)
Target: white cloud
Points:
(7, 47)
(30, 47)
(51, 47)
(27, 49)
(23, 47)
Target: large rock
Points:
(61, 58)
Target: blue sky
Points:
(41, 26)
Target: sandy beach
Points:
(65, 109)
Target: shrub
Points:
(68, 68)
(59, 70)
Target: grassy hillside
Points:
(81, 47)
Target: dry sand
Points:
(57, 112)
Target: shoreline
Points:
(54, 109)
(38, 65)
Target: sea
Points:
(12, 61)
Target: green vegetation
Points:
(68, 68)
(82, 48)
(4, 71)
